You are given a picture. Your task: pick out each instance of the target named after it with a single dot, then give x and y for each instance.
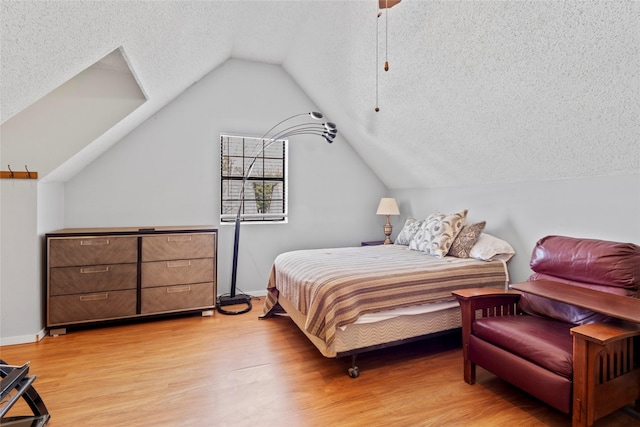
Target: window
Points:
(260, 166)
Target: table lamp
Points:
(388, 206)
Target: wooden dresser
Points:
(102, 274)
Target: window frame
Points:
(262, 151)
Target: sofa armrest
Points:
(606, 369)
(605, 333)
(477, 303)
(486, 302)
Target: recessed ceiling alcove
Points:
(73, 115)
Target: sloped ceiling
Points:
(477, 92)
(69, 118)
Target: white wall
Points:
(50, 207)
(29, 209)
(166, 173)
(606, 207)
(21, 316)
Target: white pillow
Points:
(488, 248)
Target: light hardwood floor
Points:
(242, 371)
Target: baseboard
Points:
(258, 293)
(23, 339)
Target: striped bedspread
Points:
(333, 287)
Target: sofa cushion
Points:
(625, 292)
(534, 379)
(593, 261)
(545, 342)
(600, 265)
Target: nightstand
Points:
(372, 243)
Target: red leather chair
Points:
(578, 361)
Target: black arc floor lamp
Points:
(328, 132)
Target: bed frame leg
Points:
(354, 371)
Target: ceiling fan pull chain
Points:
(386, 36)
(377, 44)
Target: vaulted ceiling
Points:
(476, 92)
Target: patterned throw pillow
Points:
(438, 232)
(465, 240)
(411, 227)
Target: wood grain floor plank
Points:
(241, 371)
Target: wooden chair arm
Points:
(491, 302)
(469, 293)
(481, 302)
(606, 369)
(605, 333)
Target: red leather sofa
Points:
(527, 340)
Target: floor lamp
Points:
(328, 132)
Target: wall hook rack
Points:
(10, 174)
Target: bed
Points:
(356, 299)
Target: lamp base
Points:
(388, 228)
(225, 300)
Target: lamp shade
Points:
(388, 206)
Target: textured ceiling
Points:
(477, 92)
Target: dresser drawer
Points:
(177, 272)
(77, 251)
(177, 246)
(91, 306)
(179, 297)
(93, 278)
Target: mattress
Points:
(402, 311)
(333, 288)
(397, 329)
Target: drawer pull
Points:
(94, 297)
(176, 264)
(178, 289)
(88, 270)
(179, 239)
(94, 242)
